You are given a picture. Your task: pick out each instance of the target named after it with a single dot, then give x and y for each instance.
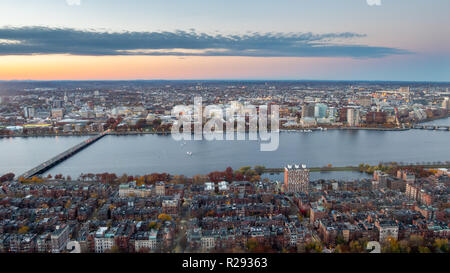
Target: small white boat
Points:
(189, 153)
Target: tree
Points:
(7, 177)
(164, 217)
(441, 245)
(251, 245)
(229, 174)
(23, 229)
(259, 169)
(424, 249)
(36, 179)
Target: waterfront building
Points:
(296, 178)
(57, 113)
(353, 117)
(446, 103)
(308, 111)
(376, 117)
(320, 110)
(29, 112)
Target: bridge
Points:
(432, 127)
(47, 165)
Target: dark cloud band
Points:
(46, 40)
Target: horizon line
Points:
(225, 79)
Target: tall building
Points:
(446, 103)
(29, 112)
(57, 104)
(403, 90)
(376, 117)
(320, 110)
(332, 112)
(296, 178)
(353, 117)
(308, 111)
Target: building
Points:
(57, 113)
(146, 241)
(160, 189)
(210, 186)
(104, 239)
(353, 117)
(376, 117)
(130, 189)
(308, 111)
(320, 110)
(387, 230)
(446, 103)
(208, 240)
(296, 178)
(223, 186)
(59, 238)
(29, 112)
(404, 90)
(170, 206)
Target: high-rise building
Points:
(57, 104)
(446, 103)
(403, 90)
(376, 117)
(29, 112)
(308, 111)
(296, 178)
(332, 112)
(320, 110)
(353, 117)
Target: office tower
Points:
(29, 112)
(446, 103)
(353, 117)
(320, 110)
(308, 111)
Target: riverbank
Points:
(299, 130)
(84, 134)
(168, 133)
(356, 169)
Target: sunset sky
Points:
(245, 39)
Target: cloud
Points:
(46, 40)
(73, 2)
(374, 2)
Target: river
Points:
(143, 154)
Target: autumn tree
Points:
(23, 229)
(7, 177)
(164, 217)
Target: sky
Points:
(405, 40)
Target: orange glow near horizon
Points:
(70, 67)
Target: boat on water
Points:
(189, 153)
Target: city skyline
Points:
(209, 40)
